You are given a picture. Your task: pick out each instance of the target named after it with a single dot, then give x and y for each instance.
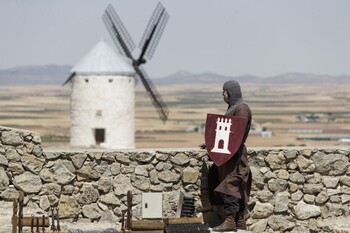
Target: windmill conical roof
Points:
(103, 60)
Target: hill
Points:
(55, 74)
(295, 78)
(288, 78)
(32, 75)
(207, 77)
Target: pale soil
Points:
(45, 110)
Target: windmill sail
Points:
(118, 32)
(153, 32)
(125, 45)
(153, 93)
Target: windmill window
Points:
(99, 113)
(110, 80)
(86, 80)
(99, 136)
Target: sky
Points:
(230, 37)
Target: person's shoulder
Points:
(243, 109)
(243, 106)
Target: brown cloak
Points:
(234, 177)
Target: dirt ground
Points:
(283, 112)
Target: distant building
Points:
(266, 134)
(303, 130)
(344, 141)
(325, 138)
(103, 100)
(257, 129)
(315, 117)
(308, 117)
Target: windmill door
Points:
(99, 136)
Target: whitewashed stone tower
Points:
(103, 100)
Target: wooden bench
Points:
(19, 221)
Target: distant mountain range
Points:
(33, 75)
(288, 78)
(55, 74)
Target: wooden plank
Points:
(187, 227)
(183, 220)
(147, 225)
(27, 221)
(129, 212)
(49, 231)
(148, 231)
(20, 212)
(14, 224)
(14, 216)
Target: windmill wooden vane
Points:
(148, 44)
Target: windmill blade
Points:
(69, 78)
(157, 101)
(153, 32)
(118, 32)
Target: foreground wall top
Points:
(294, 188)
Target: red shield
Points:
(223, 136)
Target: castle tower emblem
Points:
(222, 136)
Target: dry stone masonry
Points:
(294, 189)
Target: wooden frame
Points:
(19, 221)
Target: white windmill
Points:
(102, 100)
(103, 86)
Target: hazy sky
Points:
(230, 37)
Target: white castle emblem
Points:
(222, 136)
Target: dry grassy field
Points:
(45, 110)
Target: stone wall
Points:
(294, 189)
